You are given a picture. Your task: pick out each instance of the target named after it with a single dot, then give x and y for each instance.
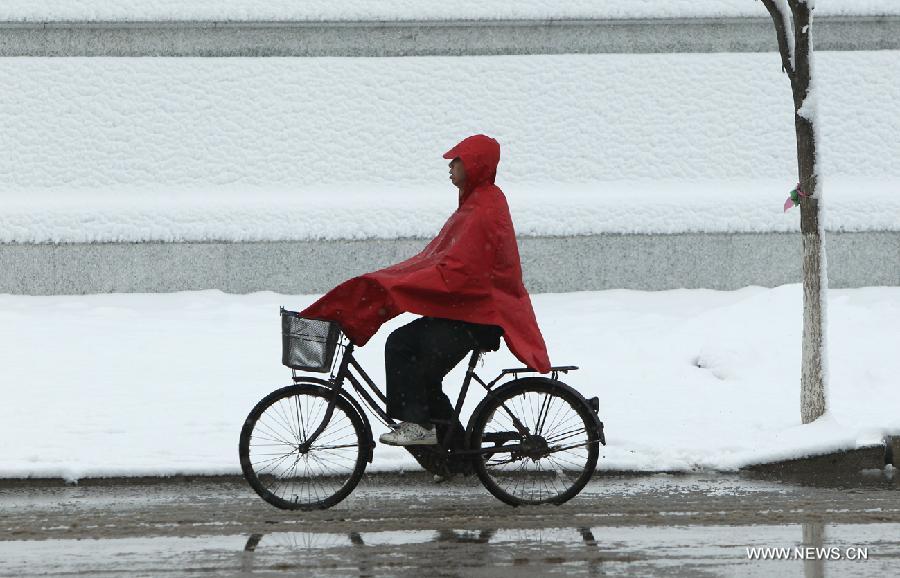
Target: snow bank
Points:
(548, 209)
(194, 149)
(315, 10)
(160, 384)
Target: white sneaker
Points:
(409, 434)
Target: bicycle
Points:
(531, 440)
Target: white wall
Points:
(283, 123)
(123, 128)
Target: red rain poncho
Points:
(469, 272)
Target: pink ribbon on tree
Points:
(794, 199)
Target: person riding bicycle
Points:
(467, 285)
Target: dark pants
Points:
(418, 355)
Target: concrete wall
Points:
(426, 38)
(551, 264)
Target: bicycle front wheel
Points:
(279, 467)
(542, 440)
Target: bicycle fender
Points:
(592, 405)
(325, 384)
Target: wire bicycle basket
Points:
(308, 344)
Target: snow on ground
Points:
(364, 211)
(160, 384)
(192, 149)
(408, 9)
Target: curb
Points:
(845, 467)
(866, 464)
(411, 477)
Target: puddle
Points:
(811, 549)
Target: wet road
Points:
(394, 525)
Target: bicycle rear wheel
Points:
(273, 458)
(546, 445)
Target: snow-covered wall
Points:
(365, 212)
(170, 124)
(317, 10)
(109, 143)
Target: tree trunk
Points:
(815, 279)
(815, 286)
(794, 33)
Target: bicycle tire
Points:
(511, 485)
(279, 422)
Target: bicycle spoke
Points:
(271, 431)
(542, 414)
(284, 419)
(301, 425)
(275, 462)
(558, 459)
(555, 419)
(565, 435)
(555, 449)
(334, 447)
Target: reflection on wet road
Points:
(660, 526)
(608, 551)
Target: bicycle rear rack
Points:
(515, 371)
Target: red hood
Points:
(480, 155)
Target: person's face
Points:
(457, 173)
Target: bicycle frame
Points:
(344, 372)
